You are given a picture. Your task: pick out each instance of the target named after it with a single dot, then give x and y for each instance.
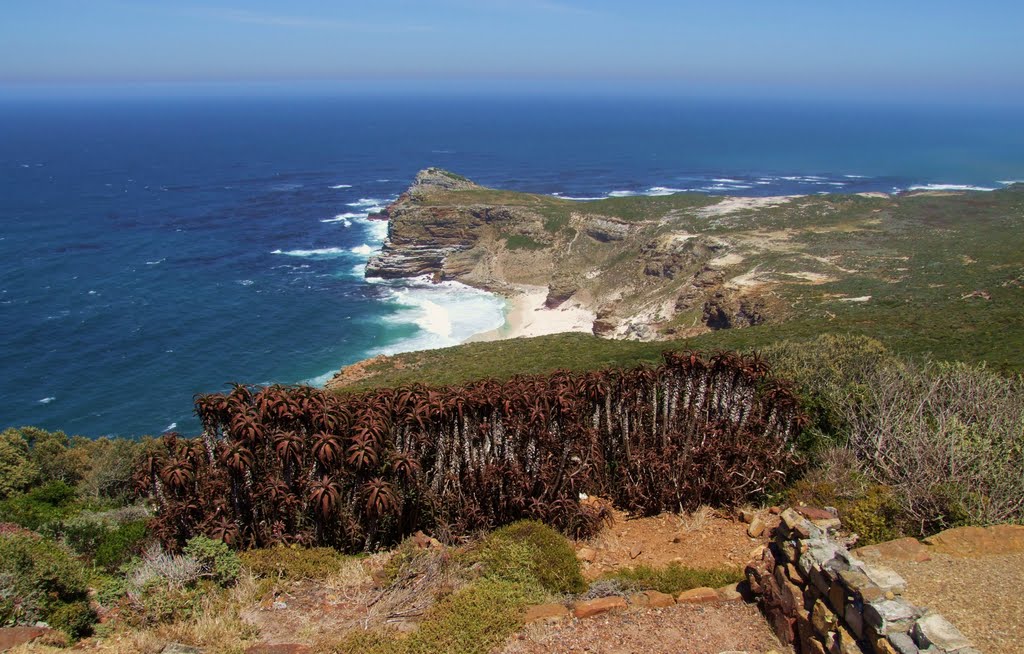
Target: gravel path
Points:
(681, 629)
(980, 595)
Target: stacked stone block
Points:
(823, 600)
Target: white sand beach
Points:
(527, 316)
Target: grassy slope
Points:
(916, 256)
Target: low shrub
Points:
(40, 580)
(530, 552)
(41, 507)
(293, 563)
(117, 546)
(160, 568)
(473, 620)
(673, 578)
(217, 561)
(946, 440)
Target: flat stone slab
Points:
(979, 541)
(597, 606)
(697, 596)
(940, 632)
(652, 599)
(901, 549)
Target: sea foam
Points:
(318, 252)
(949, 187)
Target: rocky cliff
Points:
(655, 267)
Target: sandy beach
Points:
(527, 316)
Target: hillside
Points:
(939, 273)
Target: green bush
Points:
(293, 563)
(530, 549)
(17, 470)
(85, 538)
(874, 516)
(673, 578)
(830, 373)
(40, 507)
(219, 562)
(44, 582)
(117, 546)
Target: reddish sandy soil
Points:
(703, 539)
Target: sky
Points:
(938, 49)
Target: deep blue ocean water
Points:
(153, 249)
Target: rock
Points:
(886, 578)
(861, 586)
(652, 599)
(606, 230)
(586, 554)
(546, 612)
(746, 516)
(280, 606)
(938, 631)
(756, 527)
(977, 541)
(814, 513)
(697, 596)
(822, 619)
(11, 637)
(903, 644)
(885, 615)
(597, 606)
(901, 549)
(729, 593)
(281, 648)
(635, 551)
(775, 510)
(178, 648)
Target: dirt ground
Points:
(702, 539)
(680, 629)
(971, 576)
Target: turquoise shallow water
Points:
(153, 249)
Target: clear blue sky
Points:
(936, 49)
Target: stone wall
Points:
(820, 598)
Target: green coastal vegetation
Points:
(904, 412)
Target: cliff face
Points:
(648, 267)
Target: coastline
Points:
(527, 316)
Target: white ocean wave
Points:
(368, 203)
(47, 400)
(856, 176)
(345, 218)
(363, 250)
(445, 314)
(157, 262)
(579, 199)
(376, 230)
(342, 186)
(621, 194)
(664, 190)
(1008, 182)
(171, 426)
(319, 252)
(949, 187)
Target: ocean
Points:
(151, 249)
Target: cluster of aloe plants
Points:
(298, 464)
